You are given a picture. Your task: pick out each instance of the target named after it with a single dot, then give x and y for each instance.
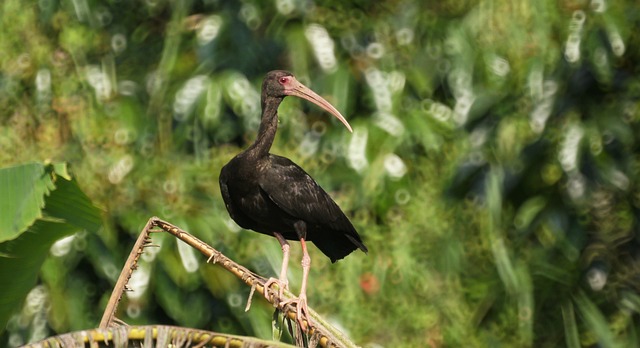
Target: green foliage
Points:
(492, 170)
(42, 204)
(25, 188)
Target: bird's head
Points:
(280, 83)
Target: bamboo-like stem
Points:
(173, 335)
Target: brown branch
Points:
(129, 266)
(322, 332)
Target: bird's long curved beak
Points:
(297, 89)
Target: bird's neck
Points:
(268, 128)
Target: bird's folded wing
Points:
(295, 192)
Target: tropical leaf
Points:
(23, 191)
(49, 207)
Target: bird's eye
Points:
(283, 80)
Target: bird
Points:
(272, 195)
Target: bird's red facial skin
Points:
(284, 80)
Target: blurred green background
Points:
(492, 171)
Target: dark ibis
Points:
(272, 195)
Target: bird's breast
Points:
(247, 199)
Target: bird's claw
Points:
(302, 311)
(281, 284)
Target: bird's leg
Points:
(302, 310)
(282, 282)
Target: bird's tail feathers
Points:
(337, 249)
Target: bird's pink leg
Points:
(302, 310)
(282, 282)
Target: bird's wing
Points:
(236, 214)
(224, 190)
(295, 192)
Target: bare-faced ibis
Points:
(272, 195)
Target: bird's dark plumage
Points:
(268, 193)
(282, 194)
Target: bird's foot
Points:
(281, 284)
(302, 311)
